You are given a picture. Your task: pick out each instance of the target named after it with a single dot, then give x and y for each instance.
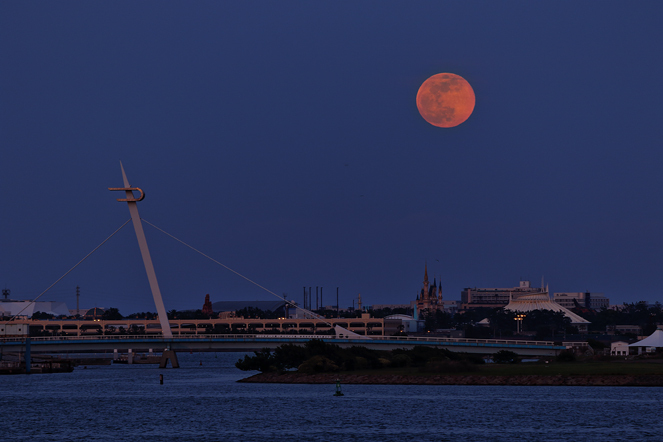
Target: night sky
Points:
(283, 140)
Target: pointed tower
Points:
(426, 283)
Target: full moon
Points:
(445, 100)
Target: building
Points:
(619, 348)
(183, 327)
(594, 301)
(650, 344)
(390, 306)
(429, 298)
(276, 306)
(451, 307)
(406, 323)
(493, 297)
(541, 301)
(10, 308)
(623, 329)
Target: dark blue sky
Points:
(283, 140)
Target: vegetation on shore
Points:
(319, 357)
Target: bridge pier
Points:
(28, 359)
(169, 355)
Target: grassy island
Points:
(319, 362)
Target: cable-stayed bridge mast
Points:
(131, 201)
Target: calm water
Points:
(204, 403)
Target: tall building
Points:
(429, 298)
(493, 297)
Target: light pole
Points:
(519, 322)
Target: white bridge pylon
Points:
(131, 201)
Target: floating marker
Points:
(338, 388)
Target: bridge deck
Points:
(249, 342)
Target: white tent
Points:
(654, 340)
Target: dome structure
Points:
(541, 301)
(94, 313)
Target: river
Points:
(203, 402)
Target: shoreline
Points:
(472, 379)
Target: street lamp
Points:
(519, 322)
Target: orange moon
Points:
(445, 100)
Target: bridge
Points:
(251, 342)
(111, 336)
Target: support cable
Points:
(69, 271)
(313, 315)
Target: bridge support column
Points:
(169, 355)
(28, 361)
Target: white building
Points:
(650, 344)
(28, 308)
(541, 301)
(594, 301)
(619, 348)
(408, 323)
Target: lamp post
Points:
(519, 322)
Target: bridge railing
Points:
(283, 338)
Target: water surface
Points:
(203, 402)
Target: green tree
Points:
(42, 315)
(546, 323)
(506, 357)
(502, 322)
(112, 314)
(255, 313)
(263, 361)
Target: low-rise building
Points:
(451, 307)
(493, 297)
(594, 301)
(403, 323)
(391, 306)
(623, 329)
(619, 348)
(28, 308)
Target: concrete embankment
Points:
(475, 379)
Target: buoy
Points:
(161, 379)
(338, 388)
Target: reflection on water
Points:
(202, 401)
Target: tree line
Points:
(545, 323)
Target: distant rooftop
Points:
(231, 306)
